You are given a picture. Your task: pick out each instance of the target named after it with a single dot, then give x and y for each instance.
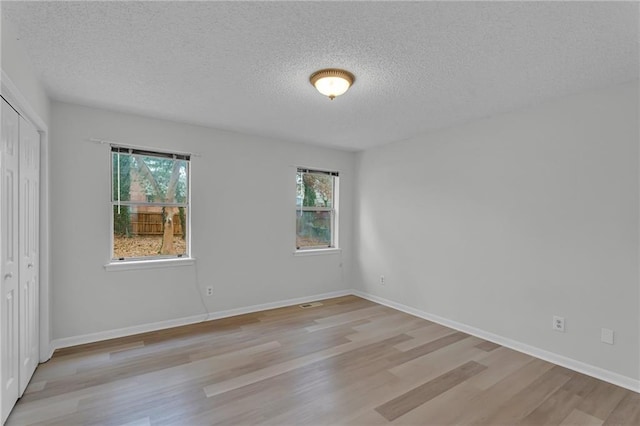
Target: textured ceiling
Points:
(244, 66)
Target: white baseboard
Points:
(563, 361)
(278, 304)
(126, 331)
(161, 325)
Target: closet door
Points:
(29, 243)
(9, 259)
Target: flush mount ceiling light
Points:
(332, 82)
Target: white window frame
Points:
(157, 260)
(334, 210)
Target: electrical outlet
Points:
(558, 324)
(210, 290)
(381, 279)
(606, 336)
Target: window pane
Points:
(121, 176)
(149, 231)
(313, 229)
(145, 178)
(314, 190)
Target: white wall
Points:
(15, 62)
(502, 223)
(243, 224)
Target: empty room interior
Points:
(320, 213)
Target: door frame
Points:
(12, 94)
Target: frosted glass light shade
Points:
(332, 82)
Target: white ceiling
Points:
(244, 66)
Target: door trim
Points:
(16, 99)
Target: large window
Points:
(316, 209)
(150, 203)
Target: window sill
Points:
(314, 252)
(148, 264)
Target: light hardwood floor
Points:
(349, 361)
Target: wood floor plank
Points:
(350, 316)
(274, 370)
(317, 398)
(561, 403)
(42, 413)
(331, 364)
(421, 370)
(527, 400)
(367, 418)
(500, 363)
(488, 346)
(431, 365)
(406, 402)
(144, 421)
(580, 418)
(338, 378)
(485, 403)
(438, 410)
(602, 399)
(626, 412)
(36, 386)
(580, 385)
(380, 333)
(553, 410)
(427, 348)
(425, 334)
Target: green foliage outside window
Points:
(121, 216)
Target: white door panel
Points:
(9, 262)
(28, 210)
(19, 261)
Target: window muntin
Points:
(316, 212)
(150, 204)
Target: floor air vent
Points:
(310, 305)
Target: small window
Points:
(150, 203)
(316, 209)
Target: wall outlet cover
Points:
(558, 324)
(606, 336)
